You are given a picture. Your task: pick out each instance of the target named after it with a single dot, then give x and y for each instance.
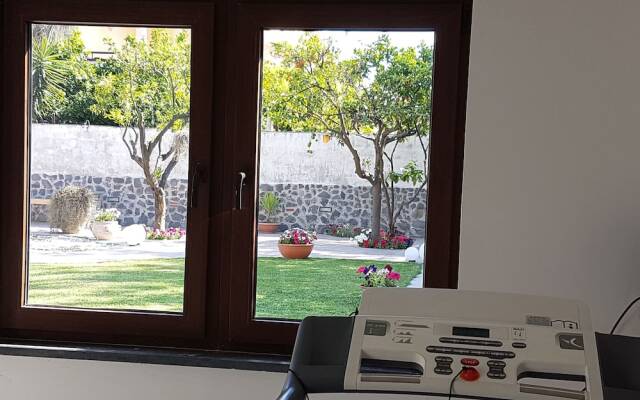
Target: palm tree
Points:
(48, 73)
(53, 33)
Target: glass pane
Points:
(344, 145)
(109, 138)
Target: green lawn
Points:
(315, 286)
(286, 288)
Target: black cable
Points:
(354, 313)
(451, 383)
(626, 310)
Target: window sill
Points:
(142, 355)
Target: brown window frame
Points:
(221, 269)
(451, 24)
(132, 327)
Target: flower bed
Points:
(373, 276)
(398, 240)
(168, 234)
(341, 230)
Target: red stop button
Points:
(469, 374)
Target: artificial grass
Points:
(286, 289)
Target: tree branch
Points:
(158, 138)
(167, 171)
(131, 149)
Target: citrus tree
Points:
(381, 94)
(145, 90)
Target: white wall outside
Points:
(284, 157)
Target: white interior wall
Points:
(551, 191)
(551, 188)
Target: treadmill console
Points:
(478, 344)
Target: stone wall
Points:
(314, 180)
(302, 205)
(315, 206)
(131, 196)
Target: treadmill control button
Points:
(471, 352)
(496, 374)
(444, 360)
(496, 364)
(470, 374)
(443, 370)
(519, 345)
(470, 362)
(472, 342)
(502, 354)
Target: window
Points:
(343, 167)
(112, 122)
(109, 170)
(146, 173)
(303, 75)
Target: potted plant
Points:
(296, 243)
(105, 224)
(270, 203)
(70, 209)
(373, 276)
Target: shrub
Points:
(107, 215)
(297, 236)
(168, 234)
(270, 204)
(373, 276)
(70, 209)
(397, 240)
(340, 230)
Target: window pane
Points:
(344, 144)
(109, 138)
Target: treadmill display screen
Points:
(473, 332)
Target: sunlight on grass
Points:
(293, 289)
(286, 289)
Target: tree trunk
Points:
(376, 208)
(160, 207)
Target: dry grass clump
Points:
(70, 209)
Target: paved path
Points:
(51, 247)
(332, 247)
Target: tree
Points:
(48, 73)
(147, 88)
(382, 95)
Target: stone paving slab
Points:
(52, 247)
(333, 247)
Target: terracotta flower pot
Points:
(295, 251)
(268, 227)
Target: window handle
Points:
(241, 184)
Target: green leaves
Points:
(379, 88)
(48, 73)
(147, 82)
(409, 173)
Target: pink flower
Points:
(360, 269)
(394, 276)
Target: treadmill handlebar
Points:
(292, 389)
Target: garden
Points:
(109, 177)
